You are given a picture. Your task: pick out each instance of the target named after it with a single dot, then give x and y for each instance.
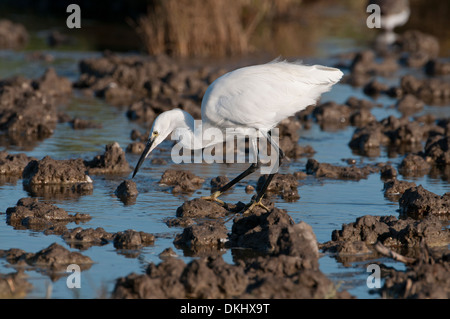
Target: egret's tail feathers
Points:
(332, 75)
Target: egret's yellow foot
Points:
(252, 205)
(213, 197)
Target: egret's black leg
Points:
(258, 199)
(253, 168)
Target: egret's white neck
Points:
(187, 131)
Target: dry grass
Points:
(204, 27)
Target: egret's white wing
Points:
(261, 96)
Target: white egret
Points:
(254, 97)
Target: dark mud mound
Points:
(53, 85)
(127, 192)
(12, 35)
(414, 165)
(51, 178)
(51, 259)
(29, 108)
(394, 188)
(29, 213)
(49, 171)
(182, 181)
(433, 91)
(199, 208)
(25, 114)
(218, 182)
(359, 236)
(150, 85)
(325, 170)
(112, 161)
(289, 138)
(427, 278)
(283, 184)
(13, 164)
(131, 239)
(365, 65)
(399, 134)
(205, 238)
(289, 271)
(259, 231)
(82, 124)
(84, 238)
(419, 202)
(437, 149)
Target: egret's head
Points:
(163, 125)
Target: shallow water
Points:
(324, 204)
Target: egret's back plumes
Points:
(261, 96)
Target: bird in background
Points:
(255, 97)
(394, 13)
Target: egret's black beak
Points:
(143, 156)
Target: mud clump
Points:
(131, 239)
(13, 164)
(218, 182)
(397, 133)
(427, 278)
(28, 108)
(289, 137)
(204, 278)
(82, 124)
(261, 231)
(409, 104)
(419, 43)
(148, 85)
(204, 238)
(52, 84)
(283, 184)
(419, 202)
(29, 213)
(437, 68)
(437, 149)
(135, 148)
(357, 237)
(388, 172)
(84, 238)
(394, 189)
(26, 114)
(428, 90)
(53, 258)
(12, 35)
(331, 114)
(414, 165)
(112, 161)
(183, 181)
(50, 171)
(364, 66)
(200, 208)
(325, 170)
(127, 192)
(290, 271)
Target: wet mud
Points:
(12, 35)
(289, 269)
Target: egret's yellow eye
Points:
(155, 133)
